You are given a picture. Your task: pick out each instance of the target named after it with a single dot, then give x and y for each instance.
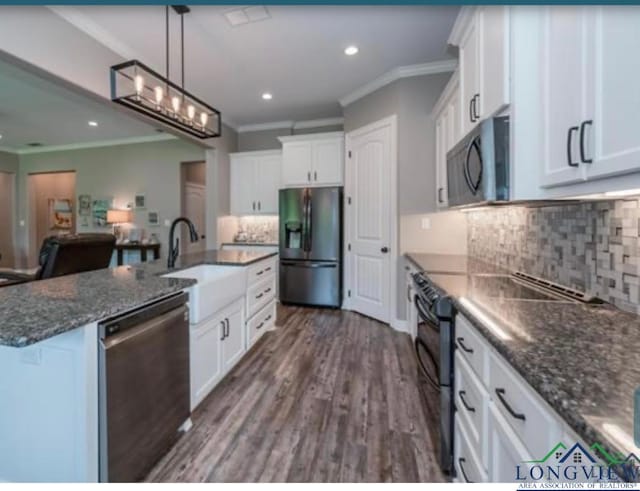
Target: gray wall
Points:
(412, 100)
(117, 172)
(8, 162)
(226, 144)
(250, 141)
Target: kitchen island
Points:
(49, 360)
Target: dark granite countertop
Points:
(583, 359)
(32, 312)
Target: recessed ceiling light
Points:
(351, 50)
(267, 96)
(93, 123)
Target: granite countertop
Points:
(38, 310)
(583, 359)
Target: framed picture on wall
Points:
(60, 214)
(153, 219)
(100, 206)
(84, 205)
(140, 201)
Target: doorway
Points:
(371, 219)
(7, 214)
(193, 199)
(52, 197)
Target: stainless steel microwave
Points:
(478, 166)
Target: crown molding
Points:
(464, 18)
(397, 73)
(317, 123)
(274, 125)
(106, 143)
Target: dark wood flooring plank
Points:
(328, 396)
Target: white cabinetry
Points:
(448, 131)
(216, 346)
(255, 181)
(590, 100)
(482, 36)
(501, 421)
(261, 299)
(313, 160)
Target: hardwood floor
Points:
(328, 396)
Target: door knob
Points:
(384, 250)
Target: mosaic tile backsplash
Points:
(592, 246)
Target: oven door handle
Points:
(425, 315)
(423, 369)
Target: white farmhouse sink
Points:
(217, 287)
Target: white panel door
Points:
(296, 164)
(369, 187)
(610, 134)
(194, 210)
(206, 364)
(243, 199)
(233, 345)
(268, 179)
(328, 162)
(469, 78)
(563, 93)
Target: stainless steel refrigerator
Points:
(311, 246)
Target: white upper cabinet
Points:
(482, 36)
(313, 160)
(255, 181)
(448, 131)
(563, 100)
(610, 131)
(590, 95)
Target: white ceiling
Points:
(33, 109)
(296, 54)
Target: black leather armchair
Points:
(67, 254)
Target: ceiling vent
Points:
(35, 144)
(255, 13)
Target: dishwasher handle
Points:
(145, 327)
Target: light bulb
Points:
(191, 112)
(159, 94)
(138, 81)
(175, 103)
(204, 117)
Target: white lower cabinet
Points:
(501, 422)
(261, 299)
(216, 346)
(261, 323)
(506, 451)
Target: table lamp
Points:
(117, 218)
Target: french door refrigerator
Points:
(311, 246)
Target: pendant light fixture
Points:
(144, 90)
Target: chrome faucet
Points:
(174, 249)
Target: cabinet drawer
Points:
(260, 294)
(472, 401)
(257, 272)
(467, 464)
(472, 347)
(261, 322)
(534, 423)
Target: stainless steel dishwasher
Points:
(143, 387)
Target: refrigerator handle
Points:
(309, 221)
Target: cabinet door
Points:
(243, 185)
(442, 124)
(454, 119)
(233, 345)
(493, 63)
(506, 452)
(469, 78)
(268, 178)
(328, 162)
(296, 164)
(563, 93)
(206, 365)
(612, 140)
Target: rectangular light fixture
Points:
(140, 88)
